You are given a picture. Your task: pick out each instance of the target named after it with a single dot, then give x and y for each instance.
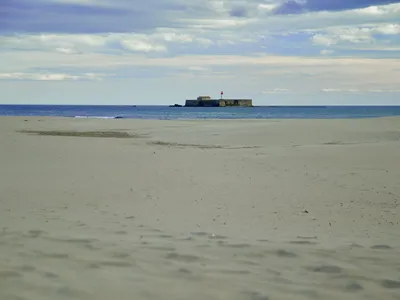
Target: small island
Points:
(206, 101)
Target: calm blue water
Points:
(171, 113)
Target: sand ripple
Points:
(147, 263)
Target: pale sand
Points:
(199, 209)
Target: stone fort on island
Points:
(206, 101)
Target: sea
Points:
(177, 113)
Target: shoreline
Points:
(195, 119)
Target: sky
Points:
(294, 52)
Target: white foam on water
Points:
(98, 117)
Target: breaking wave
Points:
(99, 117)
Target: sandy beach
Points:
(200, 209)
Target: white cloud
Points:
(357, 35)
(387, 48)
(50, 76)
(158, 41)
(339, 35)
(138, 45)
(38, 59)
(388, 29)
(384, 91)
(355, 90)
(67, 50)
(331, 90)
(267, 7)
(64, 43)
(379, 10)
(324, 40)
(276, 91)
(217, 23)
(326, 52)
(198, 69)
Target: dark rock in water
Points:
(175, 105)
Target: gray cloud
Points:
(239, 11)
